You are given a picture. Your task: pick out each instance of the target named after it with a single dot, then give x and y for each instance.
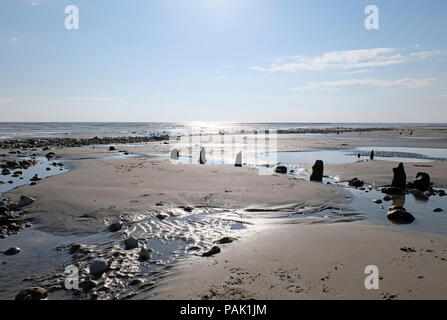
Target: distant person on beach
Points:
(371, 155)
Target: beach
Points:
(280, 236)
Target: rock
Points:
(202, 157)
(145, 254)
(50, 155)
(356, 183)
(188, 209)
(161, 216)
(422, 181)
(12, 251)
(115, 226)
(18, 172)
(98, 267)
(238, 161)
(399, 177)
(25, 201)
(32, 293)
(6, 172)
(87, 285)
(378, 201)
(317, 171)
(130, 243)
(35, 178)
(399, 215)
(441, 193)
(225, 240)
(393, 191)
(281, 169)
(387, 198)
(112, 148)
(174, 154)
(214, 250)
(371, 155)
(437, 210)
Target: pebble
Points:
(130, 243)
(214, 250)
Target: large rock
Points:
(281, 169)
(98, 267)
(115, 226)
(393, 191)
(131, 243)
(399, 177)
(422, 181)
(145, 254)
(174, 154)
(25, 201)
(32, 293)
(399, 215)
(356, 183)
(317, 171)
(214, 250)
(238, 161)
(12, 251)
(202, 157)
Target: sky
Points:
(223, 60)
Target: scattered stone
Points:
(130, 243)
(112, 148)
(161, 216)
(50, 155)
(225, 240)
(356, 183)
(6, 172)
(12, 251)
(281, 169)
(441, 193)
(32, 293)
(214, 250)
(115, 226)
(378, 201)
(145, 254)
(399, 177)
(437, 210)
(317, 171)
(98, 267)
(48, 169)
(387, 198)
(422, 181)
(371, 155)
(188, 209)
(135, 282)
(35, 178)
(408, 249)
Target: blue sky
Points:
(223, 60)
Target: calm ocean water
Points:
(44, 129)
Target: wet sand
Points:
(324, 261)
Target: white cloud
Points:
(347, 60)
(14, 40)
(339, 84)
(89, 98)
(6, 100)
(34, 3)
